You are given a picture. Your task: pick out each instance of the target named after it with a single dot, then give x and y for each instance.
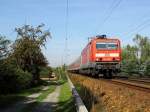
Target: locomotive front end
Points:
(107, 56)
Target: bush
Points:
(147, 68)
(130, 67)
(61, 74)
(12, 79)
(23, 79)
(134, 68)
(7, 78)
(44, 72)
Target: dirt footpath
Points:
(50, 102)
(45, 106)
(17, 107)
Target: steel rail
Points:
(129, 84)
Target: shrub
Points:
(23, 79)
(7, 78)
(130, 66)
(147, 68)
(44, 72)
(12, 79)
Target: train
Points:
(102, 55)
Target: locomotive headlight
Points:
(97, 59)
(100, 55)
(114, 54)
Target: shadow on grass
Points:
(66, 106)
(9, 100)
(12, 100)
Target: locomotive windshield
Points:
(110, 46)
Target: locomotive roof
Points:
(105, 39)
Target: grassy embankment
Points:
(66, 102)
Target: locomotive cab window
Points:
(112, 46)
(106, 45)
(101, 46)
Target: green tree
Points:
(136, 58)
(130, 62)
(27, 49)
(129, 52)
(4, 43)
(143, 45)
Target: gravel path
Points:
(50, 102)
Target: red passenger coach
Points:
(101, 56)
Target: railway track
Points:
(135, 80)
(146, 81)
(134, 84)
(138, 84)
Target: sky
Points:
(86, 18)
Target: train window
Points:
(101, 46)
(106, 45)
(112, 45)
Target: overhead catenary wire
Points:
(111, 9)
(139, 27)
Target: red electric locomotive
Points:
(102, 55)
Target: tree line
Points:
(22, 61)
(136, 57)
